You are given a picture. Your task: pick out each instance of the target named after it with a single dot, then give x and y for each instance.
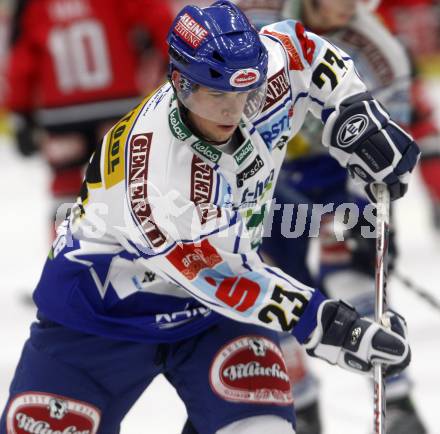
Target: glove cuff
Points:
(335, 320)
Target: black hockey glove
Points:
(342, 337)
(363, 138)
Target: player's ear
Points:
(175, 78)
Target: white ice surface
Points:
(346, 400)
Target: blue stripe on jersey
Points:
(318, 101)
(275, 110)
(238, 237)
(300, 95)
(245, 262)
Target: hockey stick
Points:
(381, 271)
(421, 292)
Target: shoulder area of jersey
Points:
(161, 144)
(152, 115)
(159, 113)
(302, 47)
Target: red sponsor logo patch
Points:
(295, 63)
(244, 77)
(237, 292)
(137, 187)
(190, 259)
(251, 369)
(38, 413)
(190, 30)
(202, 180)
(308, 46)
(277, 86)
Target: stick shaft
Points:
(383, 218)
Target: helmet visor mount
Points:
(221, 107)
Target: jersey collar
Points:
(205, 151)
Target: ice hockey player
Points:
(156, 270)
(73, 71)
(310, 176)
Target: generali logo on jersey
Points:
(244, 77)
(137, 187)
(277, 87)
(251, 369)
(45, 413)
(190, 259)
(202, 180)
(190, 30)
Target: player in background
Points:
(309, 176)
(73, 71)
(156, 270)
(416, 24)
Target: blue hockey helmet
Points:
(218, 48)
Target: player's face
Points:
(212, 130)
(228, 105)
(216, 114)
(334, 14)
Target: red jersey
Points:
(392, 11)
(70, 55)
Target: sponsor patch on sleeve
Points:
(295, 63)
(38, 412)
(251, 369)
(114, 161)
(190, 259)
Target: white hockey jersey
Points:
(380, 59)
(382, 64)
(164, 239)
